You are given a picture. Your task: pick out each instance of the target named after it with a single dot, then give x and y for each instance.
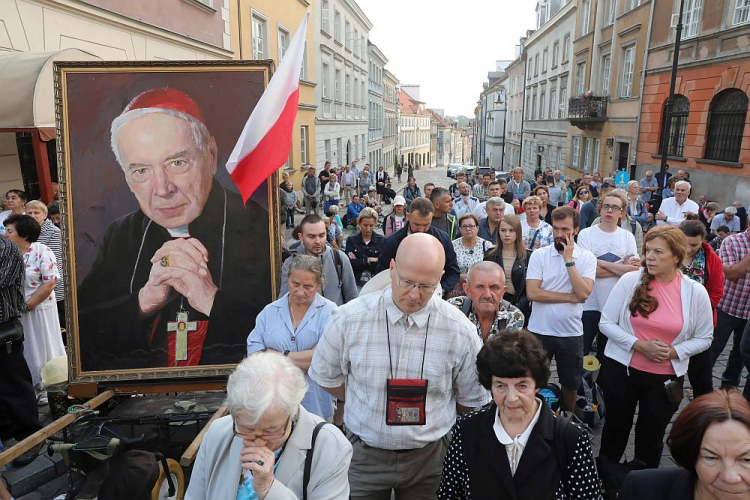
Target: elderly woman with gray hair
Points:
(263, 448)
(293, 324)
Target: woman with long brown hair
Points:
(655, 319)
(510, 253)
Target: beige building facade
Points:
(263, 30)
(34, 32)
(606, 77)
(414, 131)
(390, 127)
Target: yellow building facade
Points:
(263, 29)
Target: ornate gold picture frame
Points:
(165, 267)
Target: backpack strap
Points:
(466, 307)
(338, 263)
(309, 459)
(561, 454)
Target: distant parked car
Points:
(453, 169)
(502, 175)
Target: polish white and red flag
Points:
(266, 140)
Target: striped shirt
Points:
(12, 273)
(736, 299)
(354, 350)
(50, 236)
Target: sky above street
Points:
(447, 46)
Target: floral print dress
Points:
(41, 326)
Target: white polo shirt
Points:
(547, 264)
(675, 212)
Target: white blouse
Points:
(514, 446)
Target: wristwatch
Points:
(570, 264)
(286, 353)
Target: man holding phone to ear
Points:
(559, 279)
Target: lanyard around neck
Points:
(424, 349)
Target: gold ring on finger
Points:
(165, 261)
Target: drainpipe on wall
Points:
(634, 164)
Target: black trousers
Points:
(700, 373)
(591, 331)
(624, 388)
(19, 415)
(727, 325)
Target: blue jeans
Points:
(290, 217)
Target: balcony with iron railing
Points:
(588, 113)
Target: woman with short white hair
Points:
(260, 450)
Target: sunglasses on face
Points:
(583, 192)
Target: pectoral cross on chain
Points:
(181, 327)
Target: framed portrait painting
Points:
(166, 267)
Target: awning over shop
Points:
(27, 89)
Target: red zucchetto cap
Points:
(166, 98)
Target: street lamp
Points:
(505, 117)
(670, 100)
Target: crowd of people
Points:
(427, 335)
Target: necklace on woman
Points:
(295, 323)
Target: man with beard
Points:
(179, 281)
(559, 280)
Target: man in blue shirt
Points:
(648, 185)
(352, 211)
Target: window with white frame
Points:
(528, 106)
(566, 49)
(610, 12)
(553, 102)
(544, 61)
(347, 35)
(692, 19)
(259, 37)
(303, 73)
(355, 99)
(327, 147)
(741, 12)
(585, 154)
(632, 4)
(580, 78)
(337, 83)
(606, 69)
(533, 105)
(325, 15)
(542, 103)
(597, 146)
(303, 144)
(585, 16)
(536, 64)
(556, 53)
(337, 26)
(563, 108)
(347, 86)
(363, 94)
(575, 145)
(325, 79)
(560, 158)
(283, 42)
(628, 63)
(355, 43)
(339, 152)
